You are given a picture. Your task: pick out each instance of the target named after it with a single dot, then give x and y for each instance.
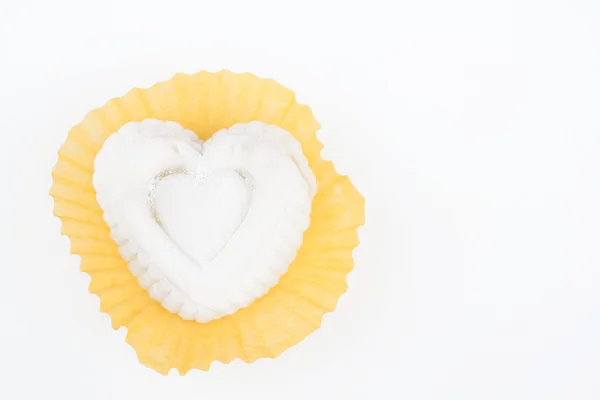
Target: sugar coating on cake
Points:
(206, 227)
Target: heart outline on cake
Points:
(191, 252)
(259, 250)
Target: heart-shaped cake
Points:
(206, 227)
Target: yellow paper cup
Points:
(292, 309)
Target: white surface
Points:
(206, 227)
(471, 127)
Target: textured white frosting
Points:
(206, 227)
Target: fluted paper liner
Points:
(292, 309)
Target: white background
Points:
(471, 127)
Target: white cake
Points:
(206, 227)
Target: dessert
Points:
(150, 200)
